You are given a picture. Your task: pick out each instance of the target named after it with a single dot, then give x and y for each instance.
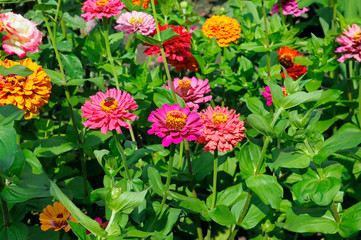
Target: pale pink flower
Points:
(289, 7)
(89, 27)
(351, 42)
(101, 8)
(108, 111)
(267, 94)
(21, 37)
(222, 129)
(131, 22)
(174, 124)
(192, 91)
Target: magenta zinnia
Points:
(222, 129)
(101, 8)
(108, 111)
(289, 7)
(351, 42)
(131, 22)
(192, 91)
(174, 124)
(267, 94)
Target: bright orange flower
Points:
(56, 217)
(29, 93)
(225, 29)
(145, 3)
(286, 56)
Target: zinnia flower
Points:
(174, 124)
(108, 111)
(21, 37)
(267, 94)
(289, 7)
(191, 90)
(351, 42)
(29, 93)
(177, 48)
(101, 8)
(145, 3)
(56, 217)
(286, 56)
(101, 224)
(222, 129)
(89, 27)
(188, 63)
(225, 29)
(131, 22)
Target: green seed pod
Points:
(115, 193)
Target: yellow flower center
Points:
(102, 2)
(13, 78)
(284, 92)
(109, 104)
(175, 120)
(60, 220)
(357, 36)
(219, 118)
(135, 20)
(184, 83)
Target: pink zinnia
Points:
(351, 44)
(101, 8)
(267, 94)
(109, 110)
(131, 22)
(222, 129)
(192, 91)
(174, 124)
(289, 7)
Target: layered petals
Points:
(55, 218)
(131, 22)
(286, 56)
(101, 8)
(350, 44)
(289, 7)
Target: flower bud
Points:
(184, 5)
(222, 10)
(115, 193)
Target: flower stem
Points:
(243, 214)
(111, 220)
(335, 212)
(163, 54)
(267, 40)
(165, 194)
(281, 13)
(5, 211)
(122, 154)
(181, 154)
(106, 26)
(359, 104)
(214, 190)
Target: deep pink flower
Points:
(21, 37)
(222, 129)
(108, 111)
(101, 8)
(101, 224)
(192, 91)
(267, 94)
(289, 7)
(351, 42)
(131, 22)
(174, 124)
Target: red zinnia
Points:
(286, 60)
(176, 49)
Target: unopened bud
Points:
(116, 192)
(184, 4)
(222, 10)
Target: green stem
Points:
(180, 155)
(335, 212)
(267, 40)
(243, 214)
(122, 154)
(106, 26)
(359, 104)
(281, 13)
(5, 211)
(215, 171)
(165, 194)
(111, 220)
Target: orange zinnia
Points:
(56, 217)
(145, 3)
(29, 93)
(225, 29)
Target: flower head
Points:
(101, 8)
(174, 124)
(145, 3)
(101, 224)
(29, 93)
(286, 56)
(192, 91)
(131, 22)
(222, 129)
(267, 94)
(56, 217)
(188, 63)
(289, 7)
(108, 111)
(21, 37)
(176, 49)
(351, 41)
(225, 29)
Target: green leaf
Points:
(256, 106)
(277, 94)
(301, 60)
(94, 138)
(53, 146)
(351, 221)
(155, 181)
(87, 222)
(78, 230)
(297, 98)
(99, 154)
(18, 164)
(164, 96)
(147, 39)
(75, 21)
(20, 70)
(35, 164)
(267, 189)
(259, 123)
(222, 216)
(129, 4)
(72, 65)
(310, 221)
(248, 157)
(127, 201)
(230, 195)
(290, 159)
(46, 6)
(98, 81)
(9, 113)
(54, 76)
(168, 34)
(8, 147)
(16, 231)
